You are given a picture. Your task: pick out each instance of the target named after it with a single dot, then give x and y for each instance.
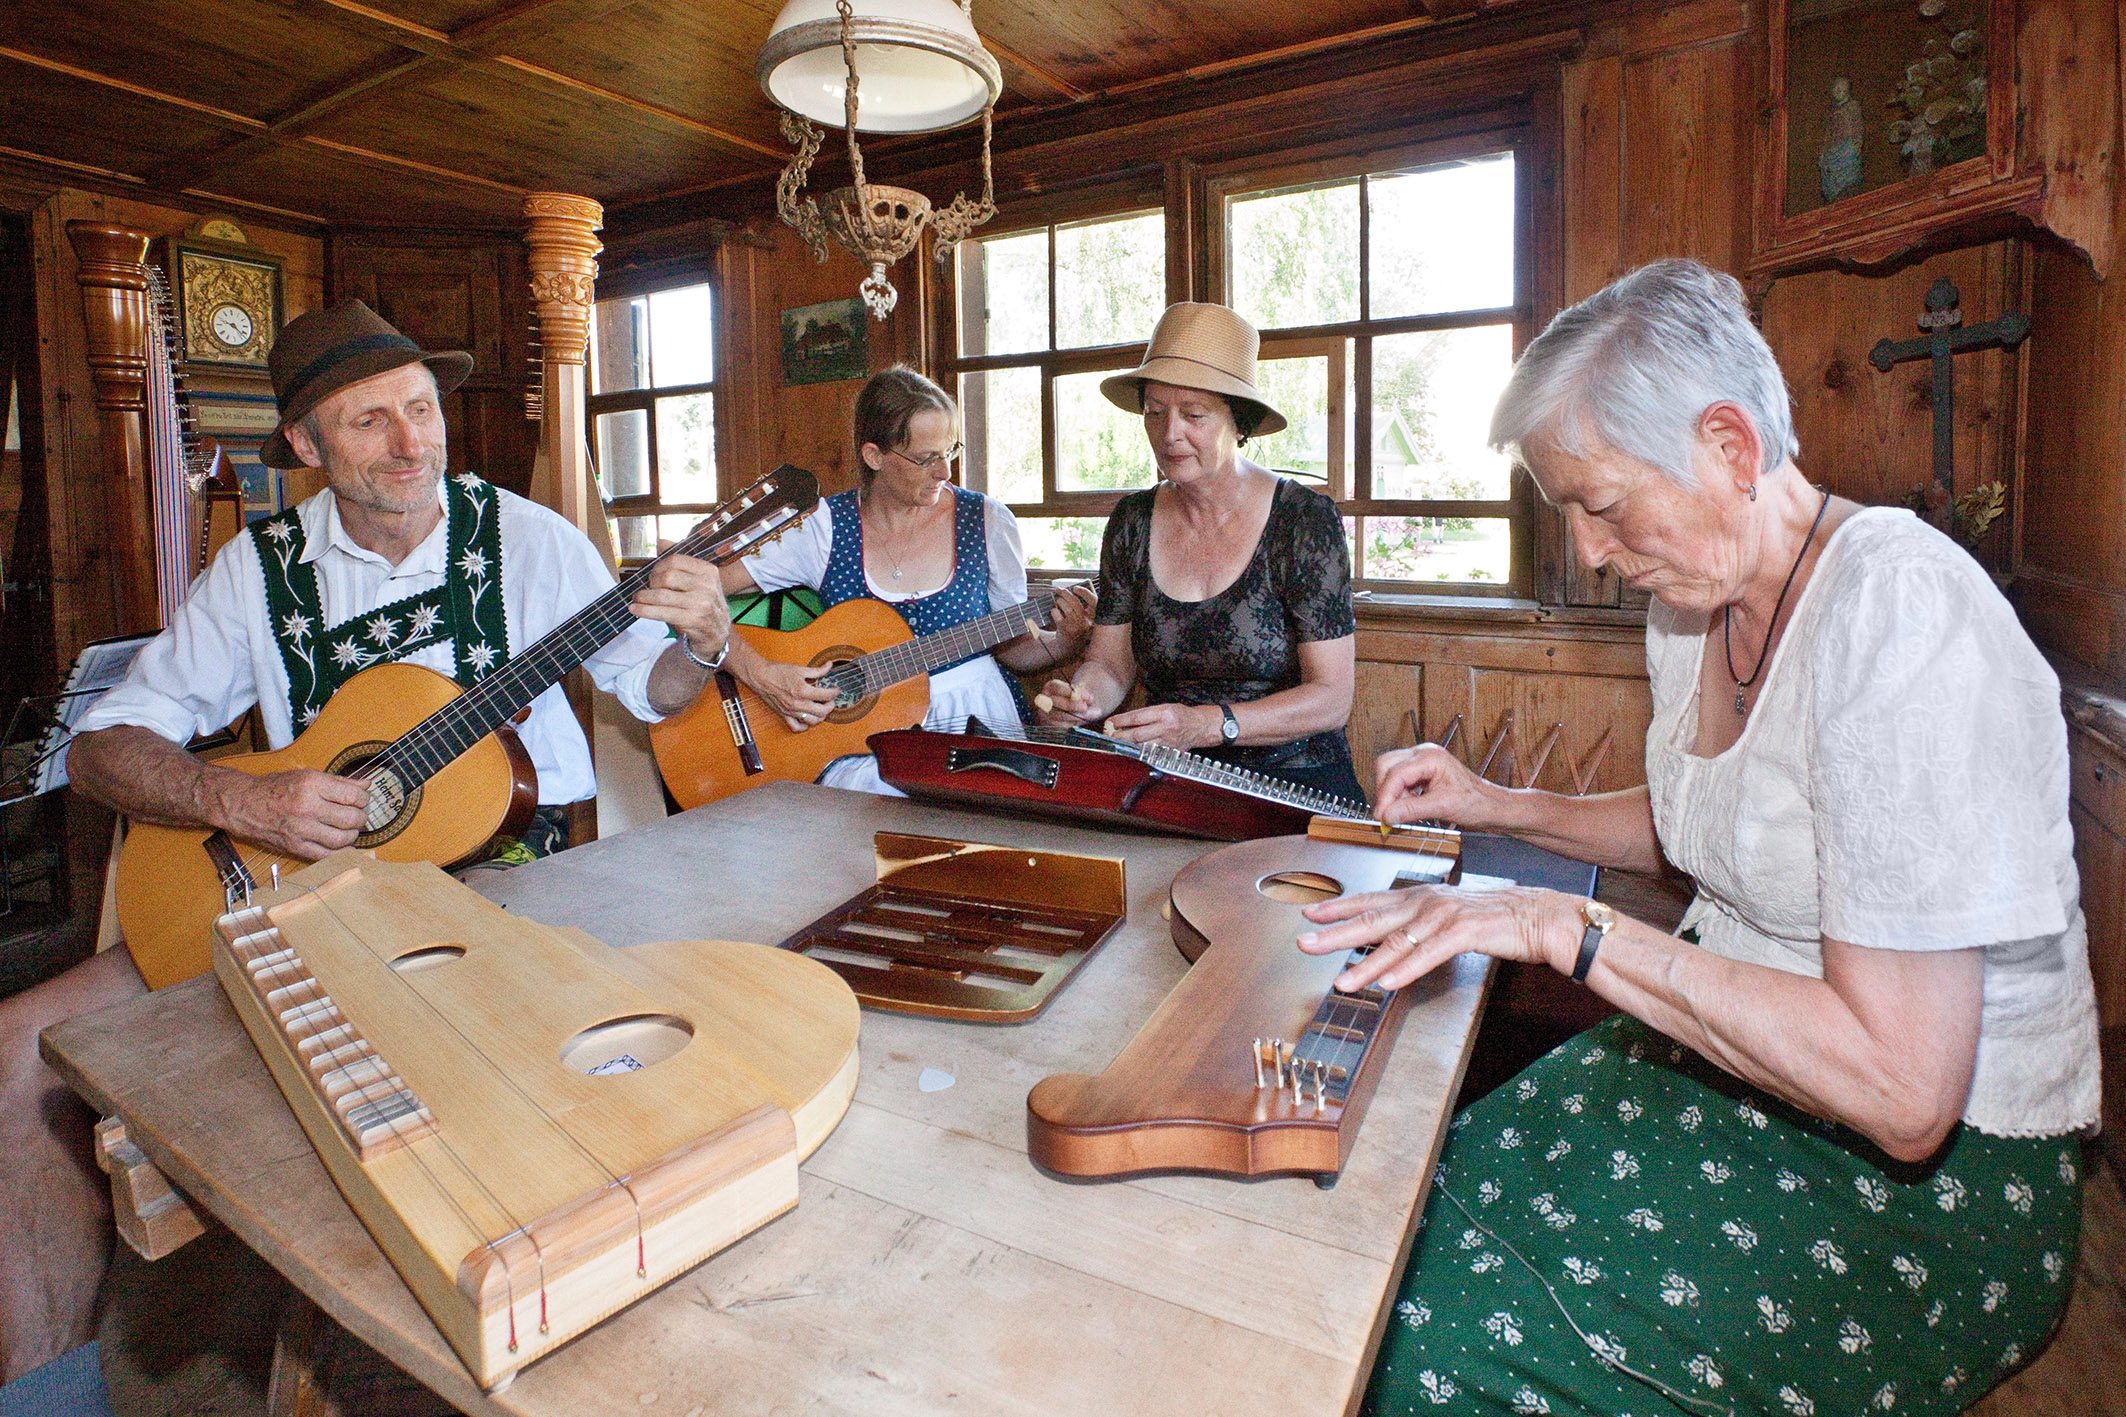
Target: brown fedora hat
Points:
(1197, 346)
(318, 354)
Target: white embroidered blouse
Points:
(1901, 784)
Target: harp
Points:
(165, 471)
(537, 1129)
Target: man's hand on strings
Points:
(687, 594)
(299, 813)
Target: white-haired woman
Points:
(1826, 1158)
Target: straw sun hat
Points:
(1197, 346)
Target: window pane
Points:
(1098, 446)
(1299, 389)
(1293, 256)
(624, 453)
(1432, 399)
(1004, 294)
(686, 449)
(1426, 549)
(1443, 238)
(636, 536)
(682, 337)
(1001, 411)
(1062, 543)
(1110, 280)
(620, 346)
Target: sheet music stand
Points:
(33, 749)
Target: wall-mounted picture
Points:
(823, 343)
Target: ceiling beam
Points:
(434, 54)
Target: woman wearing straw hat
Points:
(1227, 587)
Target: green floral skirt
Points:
(1625, 1228)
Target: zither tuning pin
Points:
(1257, 1060)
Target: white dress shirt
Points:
(218, 656)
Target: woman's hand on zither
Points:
(1170, 725)
(1429, 784)
(792, 690)
(1063, 704)
(1414, 931)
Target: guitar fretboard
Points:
(883, 668)
(438, 740)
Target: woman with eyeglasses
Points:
(937, 553)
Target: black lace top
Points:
(1241, 644)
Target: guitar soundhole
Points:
(848, 708)
(1300, 887)
(391, 808)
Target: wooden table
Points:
(928, 1267)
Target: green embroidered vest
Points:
(466, 609)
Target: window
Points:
(653, 414)
(1388, 305)
(1043, 315)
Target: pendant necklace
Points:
(893, 562)
(1727, 619)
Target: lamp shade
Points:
(919, 65)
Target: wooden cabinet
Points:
(2099, 812)
(1893, 125)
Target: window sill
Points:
(1380, 607)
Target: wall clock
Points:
(228, 298)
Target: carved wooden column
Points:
(564, 274)
(564, 278)
(114, 303)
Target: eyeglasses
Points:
(930, 460)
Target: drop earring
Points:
(1753, 491)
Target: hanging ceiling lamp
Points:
(877, 66)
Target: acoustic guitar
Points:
(445, 774)
(732, 740)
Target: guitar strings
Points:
(317, 993)
(613, 1181)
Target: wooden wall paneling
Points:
(1869, 435)
(2071, 586)
(1687, 154)
(743, 365)
(809, 424)
(2098, 811)
(1593, 162)
(2068, 55)
(1587, 706)
(1387, 701)
(469, 291)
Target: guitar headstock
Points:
(755, 517)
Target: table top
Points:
(928, 1266)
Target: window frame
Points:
(651, 503)
(1351, 485)
(1193, 189)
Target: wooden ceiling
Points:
(445, 112)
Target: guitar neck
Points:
(437, 741)
(883, 668)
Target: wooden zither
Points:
(537, 1129)
(968, 931)
(1255, 1065)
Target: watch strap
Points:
(1230, 731)
(1590, 942)
(713, 663)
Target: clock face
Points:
(230, 325)
(231, 306)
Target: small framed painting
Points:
(823, 343)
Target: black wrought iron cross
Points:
(1946, 337)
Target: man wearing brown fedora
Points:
(392, 562)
